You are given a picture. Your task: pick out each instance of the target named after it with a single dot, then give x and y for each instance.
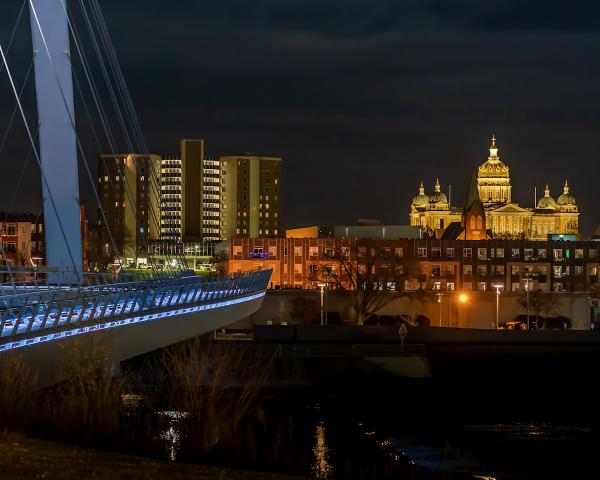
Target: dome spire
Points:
(566, 189)
(421, 189)
(493, 147)
(437, 185)
(547, 191)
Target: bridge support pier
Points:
(57, 139)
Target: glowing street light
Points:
(439, 295)
(322, 287)
(497, 286)
(464, 298)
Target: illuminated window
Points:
(467, 253)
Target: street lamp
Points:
(497, 286)
(527, 280)
(322, 287)
(464, 298)
(439, 295)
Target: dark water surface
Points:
(485, 414)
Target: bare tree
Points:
(372, 274)
(539, 303)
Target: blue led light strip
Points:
(120, 323)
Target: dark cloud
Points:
(364, 99)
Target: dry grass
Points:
(18, 382)
(218, 388)
(86, 408)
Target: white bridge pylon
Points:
(57, 138)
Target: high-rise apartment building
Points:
(250, 196)
(191, 197)
(211, 200)
(171, 200)
(129, 191)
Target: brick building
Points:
(552, 265)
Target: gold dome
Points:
(493, 167)
(421, 200)
(438, 196)
(566, 198)
(547, 202)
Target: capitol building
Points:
(503, 217)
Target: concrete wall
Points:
(299, 306)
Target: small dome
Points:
(421, 200)
(438, 196)
(566, 198)
(547, 202)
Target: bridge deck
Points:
(32, 314)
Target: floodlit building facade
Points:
(503, 217)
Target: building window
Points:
(399, 252)
(467, 269)
(467, 253)
(528, 253)
(500, 252)
(579, 253)
(578, 270)
(515, 287)
(450, 252)
(481, 269)
(514, 269)
(516, 253)
(541, 253)
(482, 253)
(593, 253)
(557, 270)
(450, 286)
(481, 286)
(558, 254)
(422, 251)
(450, 269)
(500, 269)
(436, 252)
(436, 271)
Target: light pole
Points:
(463, 298)
(527, 295)
(439, 295)
(497, 286)
(322, 287)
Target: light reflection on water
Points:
(171, 435)
(321, 468)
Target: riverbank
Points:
(24, 457)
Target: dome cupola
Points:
(566, 199)
(438, 196)
(493, 167)
(421, 200)
(546, 202)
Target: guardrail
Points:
(41, 313)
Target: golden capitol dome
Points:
(493, 167)
(504, 218)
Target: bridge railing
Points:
(29, 312)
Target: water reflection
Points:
(171, 434)
(321, 468)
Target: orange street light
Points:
(463, 297)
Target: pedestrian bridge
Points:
(129, 317)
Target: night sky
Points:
(363, 99)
